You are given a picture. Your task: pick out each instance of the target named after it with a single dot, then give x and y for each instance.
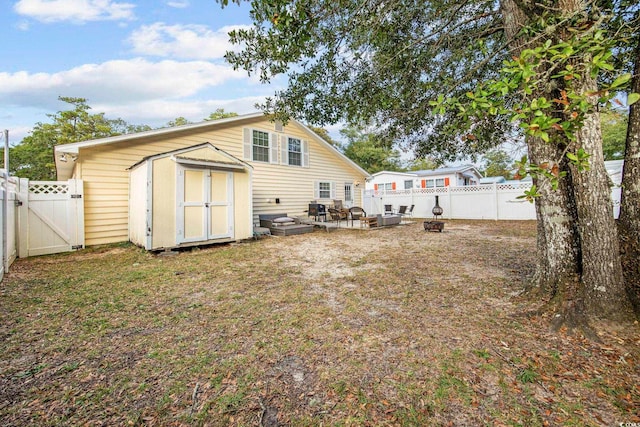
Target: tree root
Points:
(573, 319)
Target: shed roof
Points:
(232, 162)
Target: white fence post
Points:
(23, 218)
(4, 256)
(76, 213)
(495, 200)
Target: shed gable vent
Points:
(278, 127)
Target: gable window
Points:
(295, 152)
(260, 146)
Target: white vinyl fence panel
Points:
(8, 250)
(490, 201)
(51, 217)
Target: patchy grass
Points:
(394, 326)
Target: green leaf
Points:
(544, 136)
(621, 80)
(632, 98)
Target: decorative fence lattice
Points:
(53, 187)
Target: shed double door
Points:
(205, 205)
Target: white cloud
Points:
(159, 112)
(137, 90)
(79, 11)
(128, 79)
(182, 41)
(181, 4)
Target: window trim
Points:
(255, 137)
(284, 151)
(317, 191)
(248, 143)
(289, 140)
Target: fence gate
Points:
(51, 217)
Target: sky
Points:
(147, 62)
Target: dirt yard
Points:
(395, 326)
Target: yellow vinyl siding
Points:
(104, 169)
(241, 202)
(164, 208)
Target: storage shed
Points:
(190, 196)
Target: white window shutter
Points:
(333, 190)
(246, 137)
(284, 143)
(305, 153)
(273, 148)
(316, 190)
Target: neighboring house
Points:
(390, 181)
(492, 180)
(455, 176)
(204, 182)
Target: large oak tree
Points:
(384, 63)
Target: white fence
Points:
(490, 201)
(51, 217)
(8, 220)
(39, 217)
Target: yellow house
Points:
(161, 188)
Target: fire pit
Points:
(435, 225)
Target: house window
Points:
(431, 183)
(408, 184)
(324, 190)
(295, 152)
(388, 185)
(260, 146)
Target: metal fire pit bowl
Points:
(434, 226)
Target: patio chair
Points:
(337, 215)
(388, 210)
(356, 212)
(403, 211)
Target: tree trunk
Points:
(603, 287)
(629, 220)
(558, 266)
(558, 247)
(604, 291)
(578, 254)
